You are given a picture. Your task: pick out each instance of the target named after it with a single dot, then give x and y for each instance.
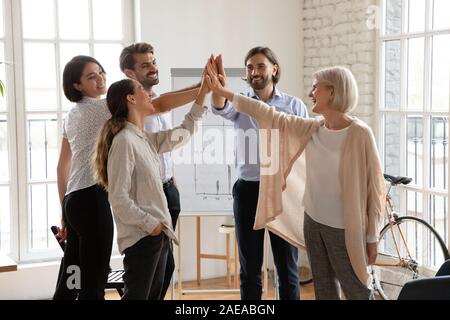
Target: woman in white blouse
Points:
(87, 221)
(127, 164)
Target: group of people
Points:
(115, 154)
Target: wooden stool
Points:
(227, 230)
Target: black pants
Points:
(251, 248)
(89, 222)
(173, 202)
(144, 263)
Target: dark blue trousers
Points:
(251, 248)
(144, 264)
(173, 202)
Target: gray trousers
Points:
(330, 264)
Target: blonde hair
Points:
(344, 85)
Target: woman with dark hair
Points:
(87, 223)
(126, 164)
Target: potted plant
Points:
(2, 86)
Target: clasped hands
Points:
(214, 78)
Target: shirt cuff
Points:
(198, 111)
(373, 239)
(225, 110)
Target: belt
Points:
(168, 183)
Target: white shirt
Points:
(80, 128)
(135, 191)
(156, 123)
(323, 198)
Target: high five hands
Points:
(216, 79)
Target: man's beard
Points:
(261, 84)
(148, 83)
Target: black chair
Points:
(115, 280)
(437, 288)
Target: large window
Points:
(415, 105)
(47, 34)
(5, 172)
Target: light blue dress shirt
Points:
(247, 153)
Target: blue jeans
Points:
(251, 248)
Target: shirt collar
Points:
(154, 94)
(276, 93)
(93, 101)
(135, 129)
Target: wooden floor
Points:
(306, 291)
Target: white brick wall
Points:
(335, 33)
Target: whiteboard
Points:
(204, 169)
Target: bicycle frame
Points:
(392, 217)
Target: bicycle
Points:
(409, 248)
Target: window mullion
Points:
(426, 119)
(58, 76)
(403, 118)
(428, 13)
(415, 35)
(403, 150)
(23, 226)
(11, 118)
(403, 75)
(406, 13)
(448, 173)
(426, 122)
(91, 27)
(379, 81)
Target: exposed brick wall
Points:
(335, 33)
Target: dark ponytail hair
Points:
(116, 98)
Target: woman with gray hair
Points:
(342, 193)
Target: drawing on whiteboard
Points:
(204, 169)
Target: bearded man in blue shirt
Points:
(262, 73)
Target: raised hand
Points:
(204, 88)
(215, 82)
(217, 100)
(212, 78)
(220, 69)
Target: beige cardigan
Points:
(280, 207)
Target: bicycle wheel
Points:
(305, 275)
(427, 251)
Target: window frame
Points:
(11, 116)
(403, 112)
(17, 118)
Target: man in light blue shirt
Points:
(263, 73)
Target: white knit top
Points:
(323, 196)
